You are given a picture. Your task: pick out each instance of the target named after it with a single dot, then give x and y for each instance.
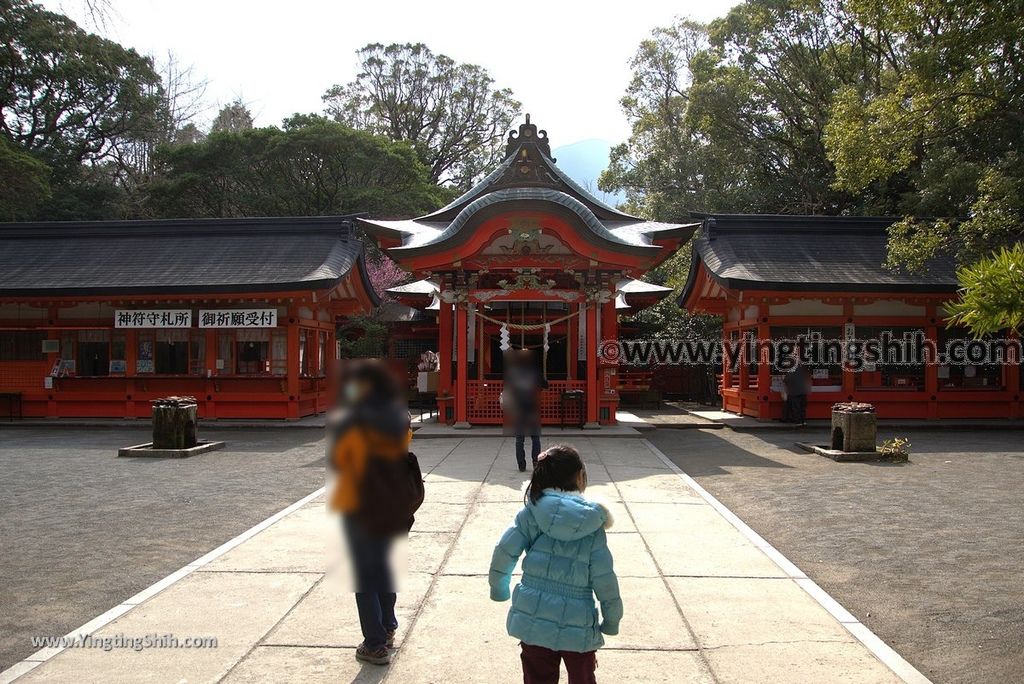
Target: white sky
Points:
(565, 60)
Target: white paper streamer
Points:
(506, 340)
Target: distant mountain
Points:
(584, 161)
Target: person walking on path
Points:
(378, 490)
(520, 401)
(798, 385)
(567, 564)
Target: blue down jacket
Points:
(567, 563)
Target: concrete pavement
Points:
(705, 599)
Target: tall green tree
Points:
(232, 118)
(24, 183)
(450, 112)
(67, 94)
(311, 167)
(731, 116)
(943, 121)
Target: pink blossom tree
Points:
(384, 273)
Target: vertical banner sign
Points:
(153, 318)
(471, 344)
(581, 329)
(597, 342)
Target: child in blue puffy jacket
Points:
(567, 564)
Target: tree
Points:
(232, 118)
(68, 94)
(24, 183)
(312, 167)
(992, 293)
(942, 121)
(179, 102)
(384, 274)
(731, 116)
(450, 112)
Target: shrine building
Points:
(99, 318)
(783, 277)
(527, 259)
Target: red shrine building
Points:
(99, 318)
(527, 259)
(783, 277)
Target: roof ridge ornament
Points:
(528, 135)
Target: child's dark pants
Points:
(375, 593)
(540, 665)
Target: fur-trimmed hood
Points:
(568, 516)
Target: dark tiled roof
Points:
(822, 253)
(178, 256)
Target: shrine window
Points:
(22, 345)
(818, 347)
(965, 375)
(897, 366)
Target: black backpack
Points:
(390, 493)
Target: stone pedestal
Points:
(174, 423)
(854, 427)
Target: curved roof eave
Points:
(364, 278)
(589, 219)
(696, 261)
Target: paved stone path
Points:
(703, 603)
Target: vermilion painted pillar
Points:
(51, 359)
(212, 354)
(444, 348)
(764, 370)
(131, 355)
(724, 382)
(462, 361)
(931, 370)
(293, 367)
(593, 387)
(1011, 375)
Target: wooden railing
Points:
(484, 404)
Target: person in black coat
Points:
(798, 386)
(520, 401)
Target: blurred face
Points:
(354, 391)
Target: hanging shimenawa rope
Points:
(528, 326)
(506, 325)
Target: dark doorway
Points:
(93, 358)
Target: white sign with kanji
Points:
(153, 318)
(238, 318)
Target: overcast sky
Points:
(566, 61)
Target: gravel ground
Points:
(82, 530)
(928, 554)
